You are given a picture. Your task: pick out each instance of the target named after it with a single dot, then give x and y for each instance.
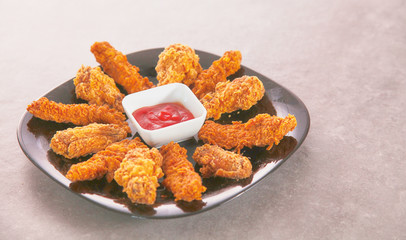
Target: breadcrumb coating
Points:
(82, 141)
(219, 70)
(262, 130)
(138, 174)
(103, 163)
(216, 161)
(92, 85)
(78, 114)
(116, 65)
(241, 93)
(178, 63)
(180, 176)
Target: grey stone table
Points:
(345, 59)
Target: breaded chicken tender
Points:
(138, 174)
(104, 162)
(178, 63)
(92, 85)
(116, 65)
(81, 141)
(222, 163)
(78, 114)
(262, 130)
(242, 93)
(180, 176)
(219, 70)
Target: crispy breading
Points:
(116, 65)
(92, 85)
(241, 93)
(138, 174)
(262, 130)
(219, 70)
(216, 161)
(78, 114)
(103, 163)
(178, 63)
(180, 176)
(81, 141)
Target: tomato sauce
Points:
(161, 115)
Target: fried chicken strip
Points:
(92, 85)
(78, 114)
(116, 65)
(242, 93)
(219, 162)
(138, 174)
(81, 141)
(220, 69)
(178, 63)
(262, 130)
(181, 179)
(103, 163)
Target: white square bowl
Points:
(170, 93)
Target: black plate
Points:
(34, 137)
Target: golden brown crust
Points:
(216, 161)
(103, 163)
(220, 69)
(116, 65)
(78, 114)
(262, 130)
(92, 85)
(81, 141)
(241, 93)
(138, 174)
(178, 63)
(180, 177)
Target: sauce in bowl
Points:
(161, 115)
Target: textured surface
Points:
(345, 59)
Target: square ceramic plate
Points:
(34, 136)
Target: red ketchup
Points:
(161, 115)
